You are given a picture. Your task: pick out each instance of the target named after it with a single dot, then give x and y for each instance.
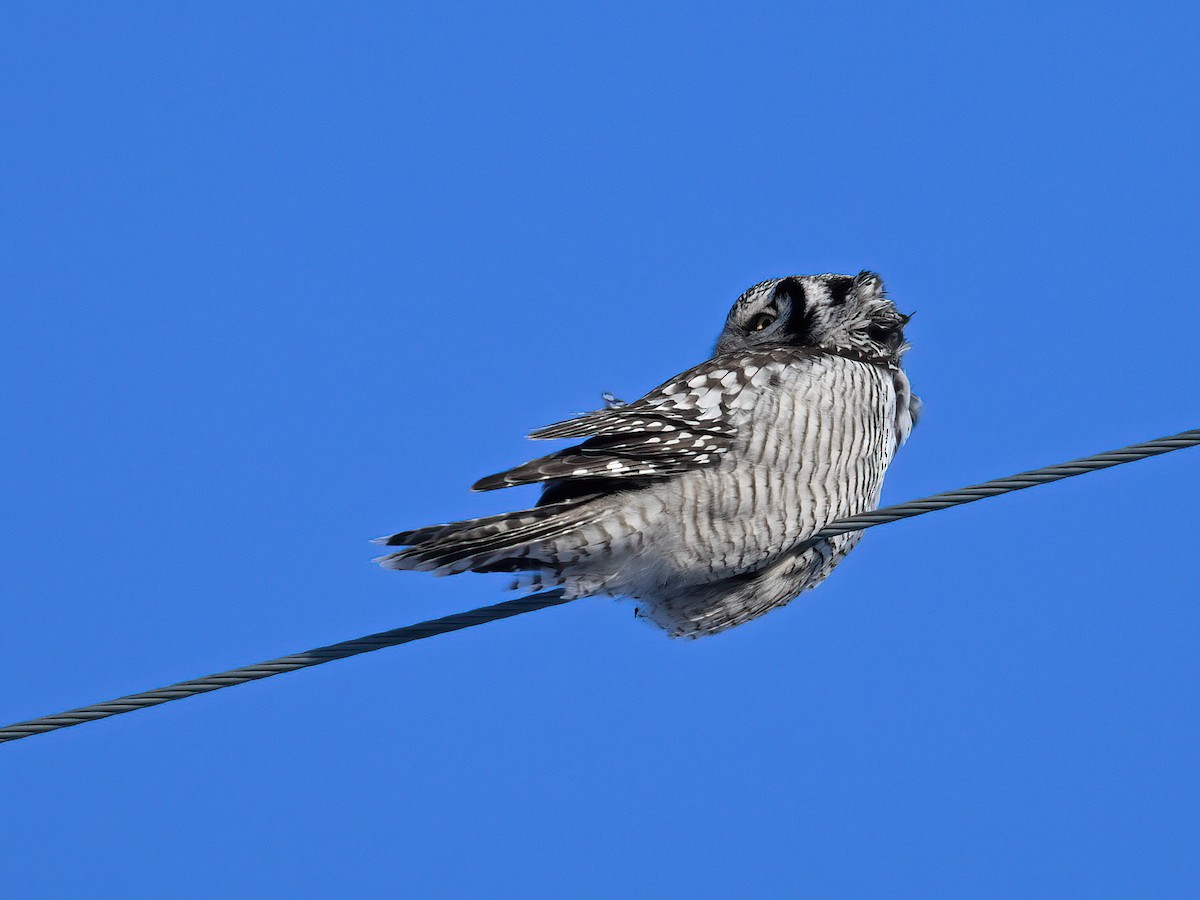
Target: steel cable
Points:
(534, 602)
(998, 486)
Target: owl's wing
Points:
(683, 424)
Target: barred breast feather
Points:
(813, 445)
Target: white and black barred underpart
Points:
(689, 498)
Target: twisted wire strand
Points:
(997, 486)
(291, 663)
(519, 606)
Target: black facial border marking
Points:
(799, 320)
(839, 288)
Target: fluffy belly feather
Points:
(708, 550)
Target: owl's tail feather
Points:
(508, 542)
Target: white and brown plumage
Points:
(691, 498)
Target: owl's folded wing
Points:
(683, 424)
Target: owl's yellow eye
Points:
(759, 322)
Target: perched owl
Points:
(692, 499)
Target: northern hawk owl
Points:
(692, 499)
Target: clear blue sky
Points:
(282, 277)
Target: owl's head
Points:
(836, 312)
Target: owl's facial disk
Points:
(836, 312)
